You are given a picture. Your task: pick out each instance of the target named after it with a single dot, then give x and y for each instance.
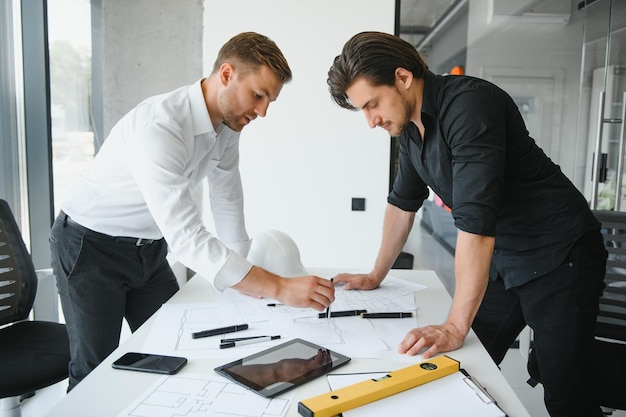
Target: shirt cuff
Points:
(233, 271)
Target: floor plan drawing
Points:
(204, 396)
(352, 336)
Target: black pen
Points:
(345, 313)
(226, 345)
(215, 332)
(274, 304)
(398, 315)
(239, 339)
(328, 308)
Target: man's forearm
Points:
(472, 259)
(259, 282)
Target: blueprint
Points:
(204, 396)
(352, 336)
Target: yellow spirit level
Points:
(370, 390)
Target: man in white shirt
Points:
(110, 241)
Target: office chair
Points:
(33, 354)
(609, 357)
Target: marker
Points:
(248, 342)
(345, 313)
(215, 332)
(398, 315)
(274, 304)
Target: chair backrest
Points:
(612, 315)
(18, 280)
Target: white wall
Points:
(302, 164)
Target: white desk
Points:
(106, 392)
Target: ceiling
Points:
(418, 17)
(421, 20)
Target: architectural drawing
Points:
(204, 396)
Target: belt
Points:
(137, 241)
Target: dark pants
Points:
(101, 280)
(561, 307)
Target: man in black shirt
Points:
(520, 221)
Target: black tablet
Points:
(283, 367)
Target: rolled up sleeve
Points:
(477, 137)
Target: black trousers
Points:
(561, 307)
(101, 281)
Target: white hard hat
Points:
(276, 252)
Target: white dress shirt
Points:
(140, 185)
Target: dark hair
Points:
(374, 56)
(252, 50)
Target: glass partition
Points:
(602, 97)
(564, 63)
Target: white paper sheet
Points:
(172, 329)
(204, 396)
(351, 336)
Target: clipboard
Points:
(458, 394)
(452, 391)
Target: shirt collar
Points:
(199, 112)
(432, 84)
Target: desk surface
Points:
(106, 392)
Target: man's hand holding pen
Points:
(308, 291)
(320, 291)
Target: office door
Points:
(603, 101)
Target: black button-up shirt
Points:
(479, 158)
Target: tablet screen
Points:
(282, 367)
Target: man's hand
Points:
(472, 260)
(306, 292)
(440, 338)
(357, 281)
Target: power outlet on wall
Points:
(358, 204)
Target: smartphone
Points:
(147, 362)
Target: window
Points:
(69, 37)
(11, 115)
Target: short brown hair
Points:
(374, 56)
(253, 50)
